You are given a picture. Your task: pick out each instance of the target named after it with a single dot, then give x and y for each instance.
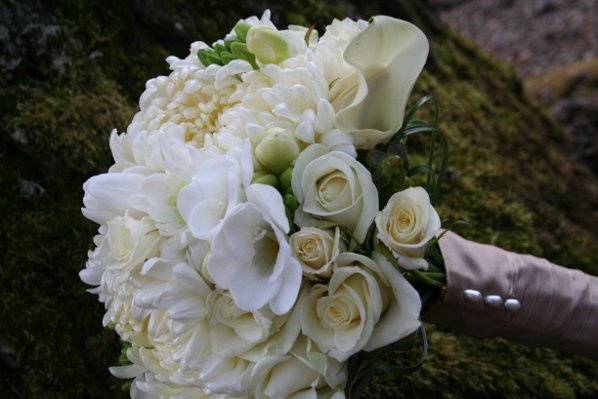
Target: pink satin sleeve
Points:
(493, 292)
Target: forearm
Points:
(493, 292)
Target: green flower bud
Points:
(268, 45)
(277, 151)
(290, 202)
(240, 51)
(219, 47)
(229, 42)
(285, 179)
(207, 56)
(122, 358)
(262, 178)
(241, 29)
(226, 57)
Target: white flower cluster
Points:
(228, 220)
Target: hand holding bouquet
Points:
(262, 227)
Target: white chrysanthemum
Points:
(121, 248)
(331, 46)
(192, 96)
(292, 96)
(195, 191)
(152, 380)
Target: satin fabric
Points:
(558, 306)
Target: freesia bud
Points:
(271, 46)
(264, 178)
(285, 179)
(208, 56)
(277, 151)
(241, 29)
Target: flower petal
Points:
(402, 316)
(390, 54)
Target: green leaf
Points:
(416, 107)
(419, 170)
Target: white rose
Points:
(251, 256)
(406, 225)
(131, 241)
(316, 250)
(387, 58)
(334, 188)
(366, 305)
(303, 373)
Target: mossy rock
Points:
(73, 70)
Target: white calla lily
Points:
(389, 56)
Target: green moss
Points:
(509, 179)
(72, 121)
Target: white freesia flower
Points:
(304, 373)
(388, 56)
(108, 195)
(208, 331)
(406, 225)
(216, 187)
(251, 256)
(271, 46)
(159, 192)
(151, 380)
(131, 241)
(366, 305)
(316, 250)
(334, 188)
(205, 330)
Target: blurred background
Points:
(553, 45)
(517, 81)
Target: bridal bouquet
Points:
(264, 228)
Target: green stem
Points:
(417, 275)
